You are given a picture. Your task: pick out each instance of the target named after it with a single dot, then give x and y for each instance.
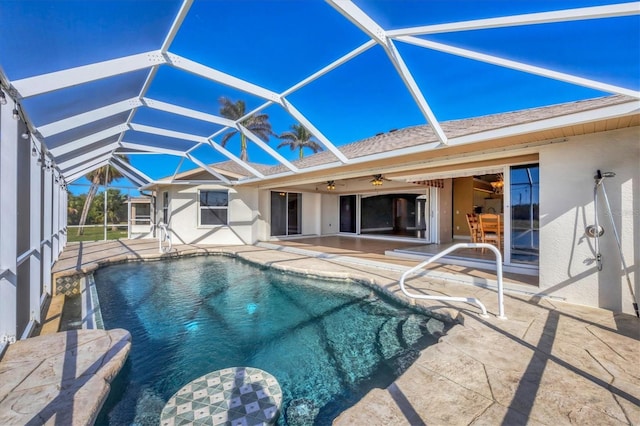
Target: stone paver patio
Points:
(549, 363)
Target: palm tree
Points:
(299, 138)
(256, 123)
(97, 178)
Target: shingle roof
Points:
(424, 134)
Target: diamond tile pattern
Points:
(234, 396)
(68, 285)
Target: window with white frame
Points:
(214, 206)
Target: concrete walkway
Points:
(549, 363)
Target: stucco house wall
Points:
(567, 256)
(311, 213)
(330, 213)
(243, 216)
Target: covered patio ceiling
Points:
(95, 80)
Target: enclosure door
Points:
(286, 213)
(348, 213)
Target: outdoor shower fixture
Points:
(596, 231)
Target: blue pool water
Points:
(326, 341)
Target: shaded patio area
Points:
(378, 250)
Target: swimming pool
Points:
(329, 342)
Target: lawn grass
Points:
(95, 234)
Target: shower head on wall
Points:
(601, 175)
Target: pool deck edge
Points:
(550, 362)
(61, 378)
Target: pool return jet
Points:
(596, 231)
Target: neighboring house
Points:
(535, 167)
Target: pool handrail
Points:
(163, 236)
(460, 299)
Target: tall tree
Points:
(298, 138)
(256, 123)
(97, 178)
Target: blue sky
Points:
(277, 43)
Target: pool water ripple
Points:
(326, 341)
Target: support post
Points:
(47, 228)
(8, 225)
(35, 234)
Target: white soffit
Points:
(452, 174)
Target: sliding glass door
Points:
(525, 208)
(348, 213)
(286, 213)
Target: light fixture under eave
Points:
(3, 98)
(331, 185)
(377, 180)
(25, 135)
(16, 114)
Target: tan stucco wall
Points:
(567, 266)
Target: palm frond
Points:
(227, 136)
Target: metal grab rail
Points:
(164, 236)
(460, 299)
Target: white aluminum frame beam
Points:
(288, 106)
(168, 133)
(45, 83)
(175, 173)
(519, 66)
(255, 139)
(220, 77)
(208, 169)
(88, 117)
(151, 149)
(222, 150)
(352, 12)
(87, 156)
(79, 172)
(595, 12)
(204, 140)
(88, 140)
(210, 118)
(132, 173)
(335, 64)
(87, 165)
(187, 112)
(177, 23)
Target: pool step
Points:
(389, 339)
(51, 322)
